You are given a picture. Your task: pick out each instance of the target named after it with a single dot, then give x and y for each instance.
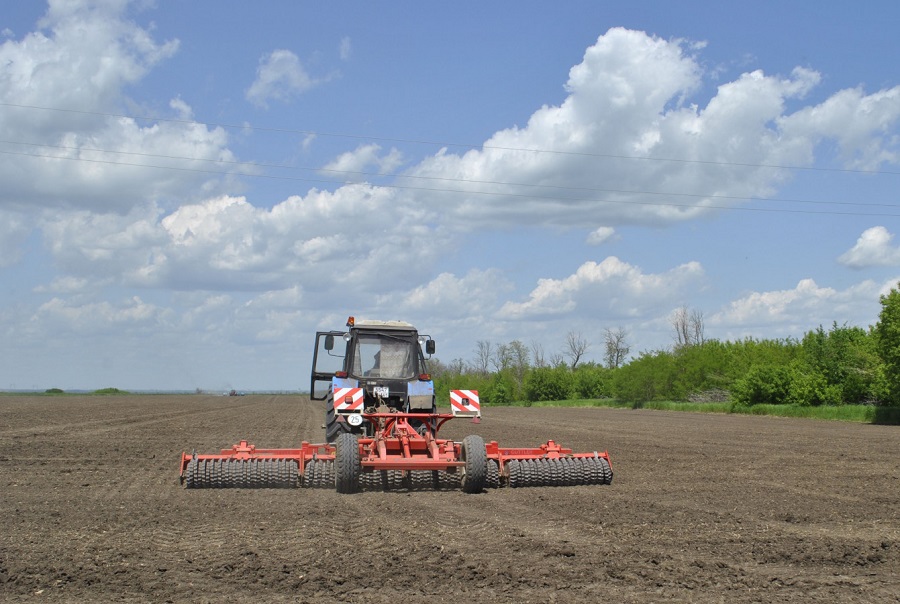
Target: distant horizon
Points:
(147, 391)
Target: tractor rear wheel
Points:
(347, 468)
(474, 454)
(333, 428)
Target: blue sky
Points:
(191, 190)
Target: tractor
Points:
(373, 366)
(381, 430)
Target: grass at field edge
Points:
(867, 414)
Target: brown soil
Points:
(703, 508)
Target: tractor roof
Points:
(370, 324)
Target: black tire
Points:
(215, 471)
(543, 472)
(514, 473)
(311, 474)
(191, 474)
(318, 474)
(607, 471)
(347, 468)
(526, 473)
(288, 475)
(555, 472)
(333, 428)
(579, 479)
(474, 454)
(492, 481)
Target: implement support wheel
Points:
(473, 452)
(347, 468)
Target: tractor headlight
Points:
(355, 420)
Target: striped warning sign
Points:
(347, 399)
(465, 401)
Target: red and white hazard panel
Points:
(347, 399)
(465, 402)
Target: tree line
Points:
(835, 366)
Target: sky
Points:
(190, 190)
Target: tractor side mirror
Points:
(329, 342)
(429, 346)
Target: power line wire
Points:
(419, 177)
(448, 144)
(462, 191)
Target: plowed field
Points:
(703, 508)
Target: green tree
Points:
(548, 384)
(590, 380)
(809, 387)
(846, 359)
(650, 377)
(500, 391)
(699, 368)
(763, 385)
(887, 336)
(745, 354)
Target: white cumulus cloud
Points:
(107, 318)
(611, 287)
(85, 157)
(873, 248)
(791, 312)
(601, 235)
(354, 165)
(227, 243)
(280, 76)
(628, 97)
(451, 296)
(630, 144)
